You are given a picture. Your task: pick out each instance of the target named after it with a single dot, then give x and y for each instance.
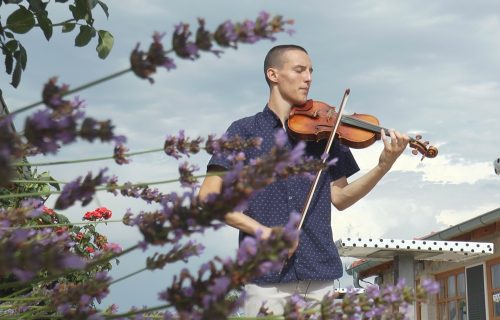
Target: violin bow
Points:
(327, 151)
(318, 174)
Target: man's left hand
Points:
(394, 145)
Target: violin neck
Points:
(358, 123)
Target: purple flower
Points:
(281, 138)
(246, 250)
(119, 154)
(80, 190)
(204, 39)
(220, 286)
(23, 275)
(73, 262)
(187, 178)
(430, 285)
(182, 46)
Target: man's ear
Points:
(272, 74)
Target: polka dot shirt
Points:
(316, 257)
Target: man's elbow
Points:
(211, 186)
(340, 204)
(340, 207)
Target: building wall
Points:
(429, 269)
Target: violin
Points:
(314, 121)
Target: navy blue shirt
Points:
(316, 257)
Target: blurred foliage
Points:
(34, 14)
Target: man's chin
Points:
(300, 101)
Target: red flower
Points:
(88, 215)
(104, 212)
(89, 249)
(61, 230)
(48, 211)
(98, 213)
(79, 236)
(114, 247)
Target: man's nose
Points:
(308, 76)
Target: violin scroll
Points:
(422, 147)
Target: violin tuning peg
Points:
(418, 137)
(414, 152)
(426, 143)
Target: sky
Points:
(421, 67)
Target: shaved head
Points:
(274, 58)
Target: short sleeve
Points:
(346, 164)
(220, 161)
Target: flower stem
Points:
(23, 299)
(21, 164)
(128, 276)
(47, 193)
(132, 313)
(59, 225)
(82, 87)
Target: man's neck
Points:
(281, 108)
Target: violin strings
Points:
(363, 124)
(366, 125)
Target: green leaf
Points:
(77, 11)
(12, 45)
(37, 6)
(16, 75)
(62, 218)
(83, 38)
(21, 20)
(9, 62)
(21, 56)
(9, 34)
(81, 10)
(55, 184)
(105, 45)
(46, 219)
(68, 27)
(45, 25)
(104, 8)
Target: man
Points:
(315, 265)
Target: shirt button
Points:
(290, 198)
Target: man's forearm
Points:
(241, 221)
(346, 196)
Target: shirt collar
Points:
(271, 118)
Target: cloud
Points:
(451, 217)
(444, 169)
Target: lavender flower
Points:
(227, 34)
(430, 286)
(25, 252)
(80, 190)
(119, 154)
(187, 178)
(75, 301)
(176, 253)
(204, 39)
(52, 96)
(144, 64)
(203, 296)
(176, 145)
(47, 133)
(92, 129)
(182, 46)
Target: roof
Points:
(451, 233)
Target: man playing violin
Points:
(315, 264)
